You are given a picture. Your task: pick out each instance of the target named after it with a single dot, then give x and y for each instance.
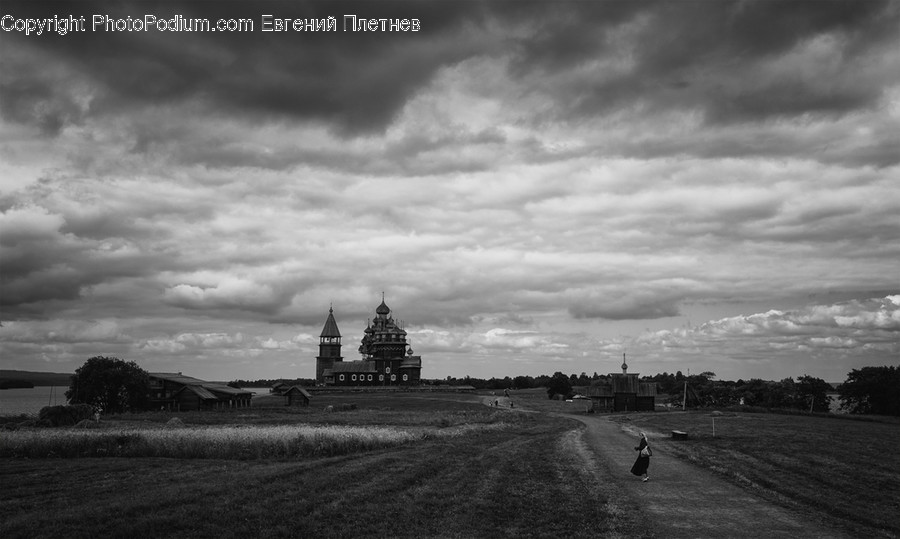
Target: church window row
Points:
(364, 378)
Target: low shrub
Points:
(59, 416)
(14, 420)
(343, 407)
(174, 423)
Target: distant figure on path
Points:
(642, 463)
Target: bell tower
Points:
(329, 346)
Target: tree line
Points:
(111, 385)
(869, 390)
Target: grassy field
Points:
(491, 474)
(842, 470)
(417, 465)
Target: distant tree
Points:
(812, 394)
(754, 392)
(724, 393)
(702, 388)
(666, 383)
(782, 394)
(768, 394)
(871, 390)
(110, 385)
(523, 382)
(559, 384)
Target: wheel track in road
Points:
(684, 500)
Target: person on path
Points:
(642, 464)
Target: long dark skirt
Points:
(640, 465)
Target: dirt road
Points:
(683, 500)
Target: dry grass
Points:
(286, 441)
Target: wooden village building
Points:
(178, 393)
(623, 392)
(296, 396)
(279, 388)
(388, 358)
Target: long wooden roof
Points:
(215, 387)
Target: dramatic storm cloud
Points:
(536, 186)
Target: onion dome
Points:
(383, 308)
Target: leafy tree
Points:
(559, 384)
(782, 394)
(812, 394)
(523, 382)
(871, 390)
(701, 388)
(110, 385)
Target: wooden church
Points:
(623, 392)
(388, 358)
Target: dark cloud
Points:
(706, 54)
(353, 81)
(32, 93)
(684, 54)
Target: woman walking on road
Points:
(642, 463)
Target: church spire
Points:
(331, 328)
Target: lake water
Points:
(30, 401)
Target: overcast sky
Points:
(535, 187)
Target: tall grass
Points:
(208, 442)
(225, 442)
